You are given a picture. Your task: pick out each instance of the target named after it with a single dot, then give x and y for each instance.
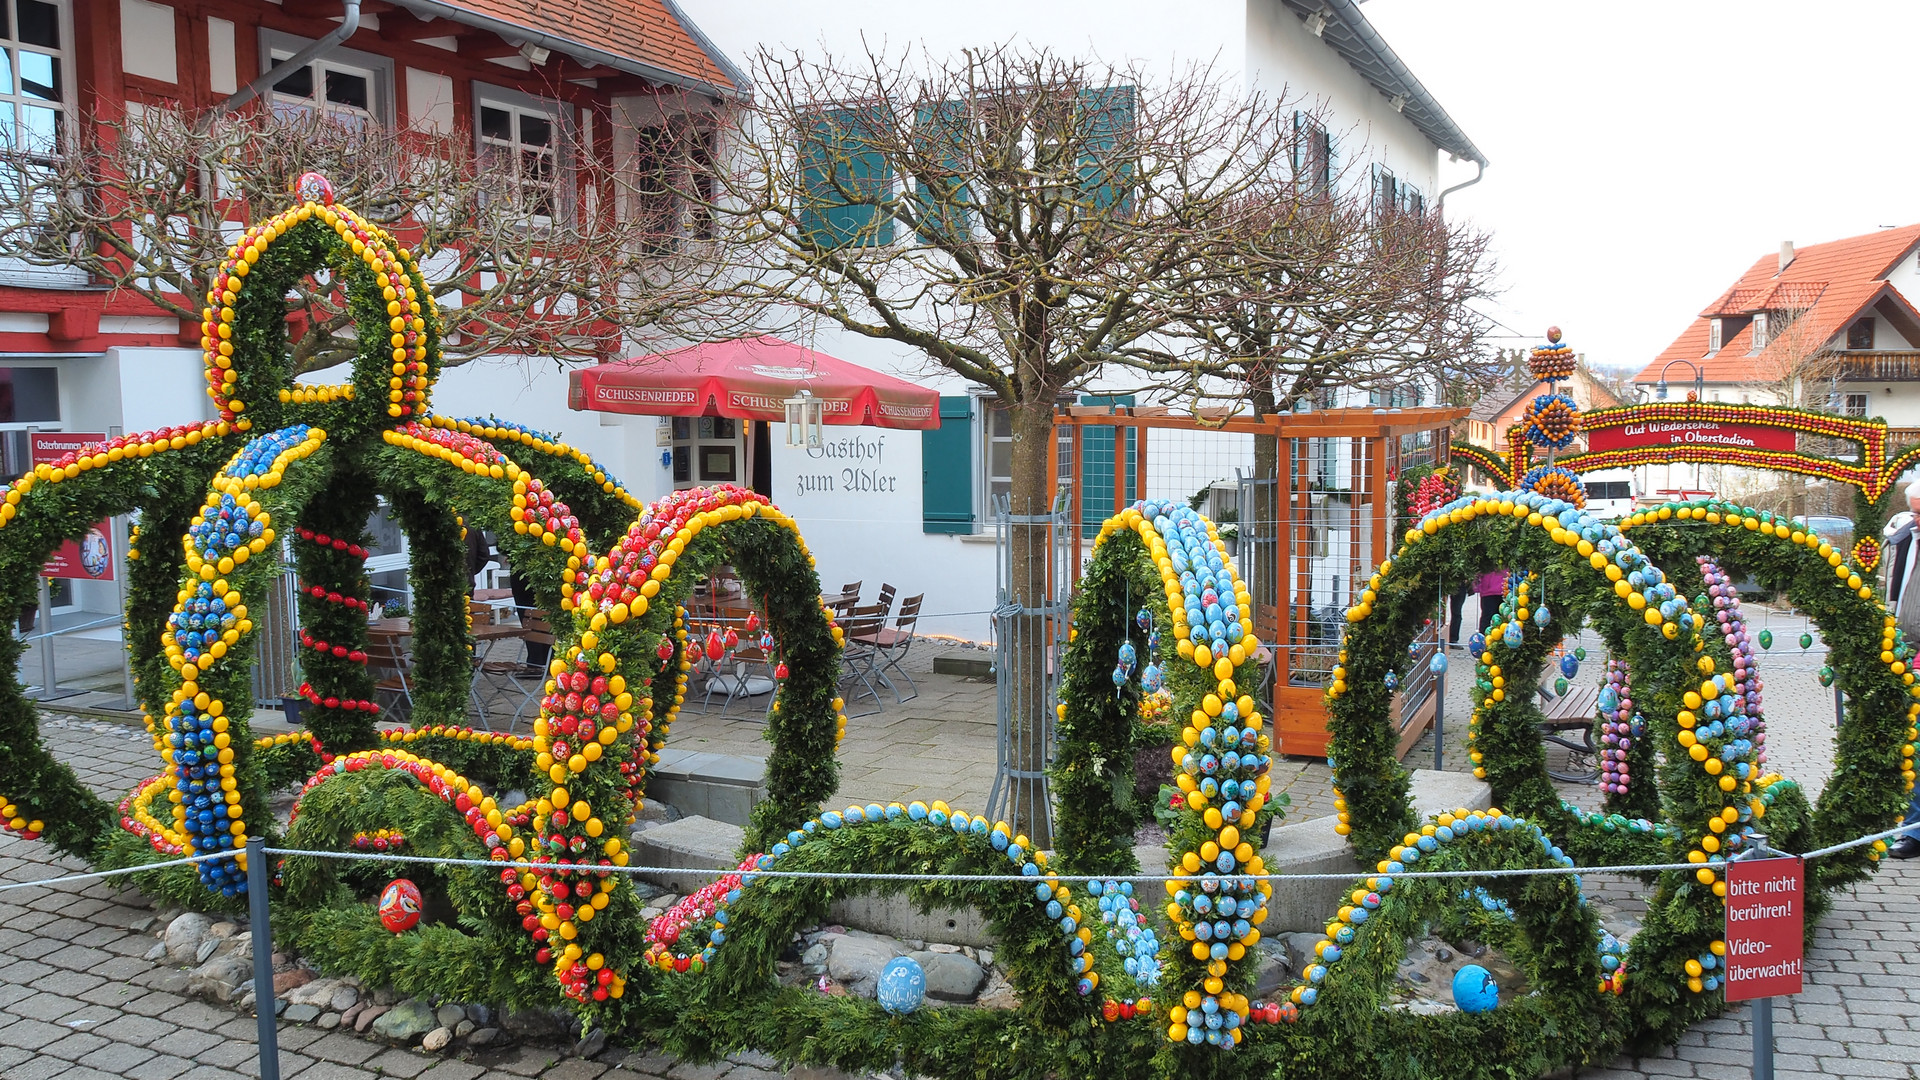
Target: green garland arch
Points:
(1100, 994)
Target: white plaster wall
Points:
(1283, 59)
(857, 502)
(1121, 32)
(160, 388)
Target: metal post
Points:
(1762, 1007)
(1440, 715)
(48, 687)
(262, 959)
(1839, 707)
(120, 532)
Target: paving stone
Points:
(338, 1047)
(118, 1058)
(453, 1070)
(396, 1062)
(574, 1069)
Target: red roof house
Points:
(1844, 302)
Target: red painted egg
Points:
(400, 905)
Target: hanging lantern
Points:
(806, 416)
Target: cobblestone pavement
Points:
(79, 999)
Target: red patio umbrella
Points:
(751, 379)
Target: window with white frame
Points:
(673, 184)
(1714, 330)
(521, 139)
(1855, 405)
(35, 73)
(346, 85)
(1760, 331)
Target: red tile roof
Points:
(651, 38)
(1830, 283)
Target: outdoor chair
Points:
(885, 600)
(889, 646)
(844, 603)
(858, 657)
(739, 684)
(518, 676)
(391, 668)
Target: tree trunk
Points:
(1032, 706)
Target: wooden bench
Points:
(1571, 713)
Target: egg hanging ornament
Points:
(399, 905)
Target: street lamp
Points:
(1699, 380)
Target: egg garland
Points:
(1745, 686)
(388, 269)
(1621, 726)
(1553, 360)
(1222, 760)
(1865, 554)
(1552, 421)
(208, 621)
(494, 429)
(1882, 707)
(1556, 482)
(1872, 472)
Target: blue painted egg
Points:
(902, 986)
(1474, 990)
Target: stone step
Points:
(700, 843)
(718, 786)
(1313, 847)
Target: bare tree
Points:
(522, 254)
(1030, 221)
(1332, 293)
(1794, 365)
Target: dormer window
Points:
(1759, 331)
(1713, 337)
(1860, 334)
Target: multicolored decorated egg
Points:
(400, 905)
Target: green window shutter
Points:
(844, 182)
(946, 469)
(941, 197)
(1106, 165)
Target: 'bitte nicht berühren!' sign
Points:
(1766, 927)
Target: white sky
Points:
(1644, 155)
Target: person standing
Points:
(1900, 551)
(1490, 587)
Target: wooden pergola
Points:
(1305, 548)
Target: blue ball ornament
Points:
(1474, 990)
(902, 986)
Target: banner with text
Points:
(1766, 927)
(89, 558)
(1689, 433)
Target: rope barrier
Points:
(94, 874)
(522, 864)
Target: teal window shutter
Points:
(946, 469)
(845, 182)
(1099, 462)
(941, 197)
(1106, 167)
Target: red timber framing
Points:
(99, 87)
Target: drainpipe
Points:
(305, 56)
(1481, 171)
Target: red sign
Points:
(91, 557)
(1705, 433)
(1766, 927)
